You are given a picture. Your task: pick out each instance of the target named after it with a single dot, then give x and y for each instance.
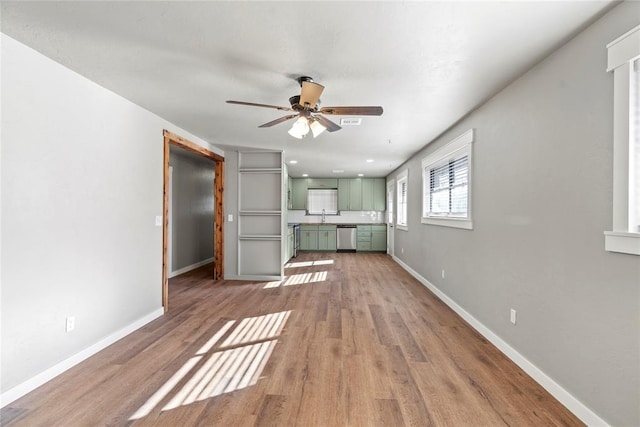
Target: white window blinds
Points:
(448, 188)
(322, 199)
(402, 201)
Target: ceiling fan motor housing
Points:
(295, 104)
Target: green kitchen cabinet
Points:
(355, 194)
(371, 238)
(379, 238)
(289, 193)
(363, 238)
(322, 183)
(350, 194)
(327, 238)
(362, 194)
(367, 194)
(308, 237)
(290, 243)
(299, 193)
(379, 194)
(374, 194)
(343, 194)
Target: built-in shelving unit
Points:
(260, 215)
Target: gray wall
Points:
(542, 198)
(192, 209)
(81, 186)
(231, 208)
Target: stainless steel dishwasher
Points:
(346, 238)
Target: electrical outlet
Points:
(513, 316)
(71, 324)
(443, 273)
(158, 220)
(401, 250)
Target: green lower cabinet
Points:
(363, 238)
(290, 243)
(371, 238)
(379, 241)
(327, 238)
(308, 238)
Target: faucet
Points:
(323, 218)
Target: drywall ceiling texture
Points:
(426, 63)
(542, 198)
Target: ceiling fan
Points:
(310, 117)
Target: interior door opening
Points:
(171, 139)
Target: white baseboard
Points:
(190, 267)
(567, 399)
(35, 382)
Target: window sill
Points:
(624, 243)
(449, 222)
(402, 227)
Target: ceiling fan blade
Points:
(253, 104)
(310, 94)
(278, 121)
(352, 111)
(331, 126)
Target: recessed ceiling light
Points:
(293, 162)
(305, 174)
(370, 160)
(360, 174)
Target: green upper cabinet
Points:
(298, 193)
(289, 193)
(355, 194)
(367, 194)
(350, 194)
(343, 194)
(322, 183)
(379, 194)
(373, 194)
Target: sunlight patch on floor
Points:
(298, 279)
(308, 263)
(224, 372)
(236, 363)
(259, 328)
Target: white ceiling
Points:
(427, 64)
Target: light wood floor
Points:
(352, 340)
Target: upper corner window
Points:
(623, 59)
(402, 186)
(446, 178)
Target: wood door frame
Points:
(218, 215)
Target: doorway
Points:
(171, 139)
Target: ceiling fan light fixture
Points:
(300, 128)
(316, 128)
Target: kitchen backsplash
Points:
(346, 217)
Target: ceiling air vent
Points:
(350, 121)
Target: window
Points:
(402, 188)
(446, 188)
(623, 59)
(321, 201)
